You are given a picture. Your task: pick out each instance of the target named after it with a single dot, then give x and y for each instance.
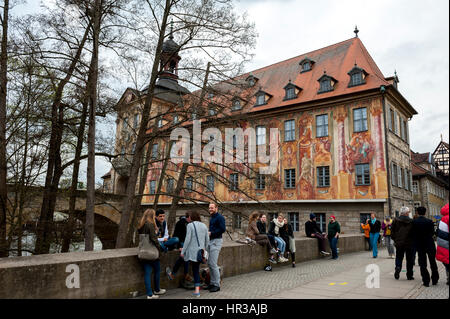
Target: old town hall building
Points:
(344, 141)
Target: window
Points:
(323, 176)
(175, 119)
(290, 93)
(322, 125)
(234, 142)
(237, 221)
(306, 66)
(260, 181)
(395, 122)
(394, 174)
(210, 183)
(260, 135)
(417, 204)
(236, 105)
(154, 154)
(289, 130)
(194, 116)
(152, 187)
(189, 184)
(391, 119)
(170, 185)
(289, 178)
(261, 99)
(400, 177)
(325, 86)
(360, 119)
(362, 174)
(133, 148)
(212, 111)
(356, 79)
(125, 123)
(160, 122)
(210, 95)
(321, 221)
(406, 176)
(234, 182)
(136, 121)
(294, 221)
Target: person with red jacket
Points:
(442, 239)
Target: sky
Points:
(409, 36)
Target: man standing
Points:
(216, 229)
(312, 230)
(423, 231)
(375, 227)
(401, 233)
(163, 232)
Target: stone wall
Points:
(117, 273)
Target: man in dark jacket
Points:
(423, 231)
(375, 227)
(216, 229)
(262, 228)
(312, 230)
(180, 233)
(401, 233)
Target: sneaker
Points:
(160, 292)
(169, 273)
(283, 260)
(153, 297)
(214, 289)
(273, 251)
(196, 294)
(324, 253)
(397, 274)
(272, 260)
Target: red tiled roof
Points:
(417, 170)
(419, 157)
(337, 60)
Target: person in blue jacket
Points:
(216, 229)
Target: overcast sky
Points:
(410, 36)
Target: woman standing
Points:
(375, 227)
(274, 229)
(442, 240)
(386, 226)
(147, 226)
(261, 239)
(287, 233)
(197, 238)
(333, 235)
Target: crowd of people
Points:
(199, 244)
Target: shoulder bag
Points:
(147, 249)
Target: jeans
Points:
(271, 240)
(148, 267)
(400, 253)
(177, 265)
(333, 245)
(170, 243)
(423, 252)
(281, 244)
(374, 242)
(196, 273)
(390, 245)
(213, 251)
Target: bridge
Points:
(107, 209)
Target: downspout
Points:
(386, 148)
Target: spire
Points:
(356, 31)
(171, 30)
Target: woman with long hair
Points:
(147, 226)
(261, 239)
(197, 238)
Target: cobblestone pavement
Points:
(325, 278)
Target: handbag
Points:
(202, 255)
(147, 249)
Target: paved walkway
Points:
(344, 278)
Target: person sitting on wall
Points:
(262, 239)
(287, 233)
(261, 223)
(274, 229)
(163, 232)
(312, 230)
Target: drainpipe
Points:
(386, 148)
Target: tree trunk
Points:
(131, 201)
(3, 94)
(54, 159)
(92, 89)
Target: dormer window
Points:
(212, 111)
(291, 91)
(236, 105)
(327, 83)
(251, 80)
(357, 76)
(306, 65)
(262, 98)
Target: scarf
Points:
(278, 225)
(373, 220)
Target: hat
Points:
(311, 216)
(332, 216)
